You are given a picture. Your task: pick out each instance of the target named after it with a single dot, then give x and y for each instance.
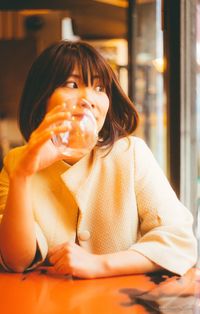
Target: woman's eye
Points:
(99, 88)
(71, 84)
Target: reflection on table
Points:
(43, 292)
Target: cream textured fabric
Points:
(125, 203)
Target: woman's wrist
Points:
(103, 266)
(107, 265)
(19, 174)
(125, 263)
(19, 177)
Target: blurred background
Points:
(152, 45)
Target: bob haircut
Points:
(51, 70)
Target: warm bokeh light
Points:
(34, 12)
(118, 3)
(159, 64)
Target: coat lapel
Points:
(76, 179)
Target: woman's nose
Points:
(87, 98)
(85, 103)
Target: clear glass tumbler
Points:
(81, 136)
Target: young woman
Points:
(108, 212)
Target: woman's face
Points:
(93, 95)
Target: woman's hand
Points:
(40, 152)
(71, 259)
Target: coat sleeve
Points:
(42, 247)
(166, 226)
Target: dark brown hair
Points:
(51, 69)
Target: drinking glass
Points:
(81, 135)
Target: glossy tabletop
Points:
(43, 292)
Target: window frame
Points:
(178, 21)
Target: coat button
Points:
(84, 235)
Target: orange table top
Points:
(43, 292)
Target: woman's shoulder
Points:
(132, 142)
(142, 152)
(131, 146)
(139, 144)
(136, 149)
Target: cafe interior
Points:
(154, 48)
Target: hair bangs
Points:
(65, 67)
(91, 66)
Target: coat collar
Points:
(82, 177)
(76, 179)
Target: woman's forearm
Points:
(127, 263)
(17, 229)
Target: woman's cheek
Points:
(103, 105)
(101, 121)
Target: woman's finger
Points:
(55, 118)
(54, 110)
(62, 267)
(40, 138)
(58, 108)
(54, 258)
(56, 248)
